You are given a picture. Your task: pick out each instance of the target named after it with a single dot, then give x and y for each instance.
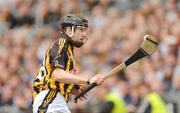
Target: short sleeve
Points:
(60, 60)
(58, 54)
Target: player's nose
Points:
(85, 33)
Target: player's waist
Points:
(53, 91)
(63, 89)
(46, 97)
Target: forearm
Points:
(65, 77)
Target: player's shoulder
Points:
(63, 38)
(61, 43)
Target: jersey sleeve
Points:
(59, 55)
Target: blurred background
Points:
(117, 27)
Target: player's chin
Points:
(78, 44)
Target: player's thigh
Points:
(59, 111)
(58, 105)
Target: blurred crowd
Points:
(116, 29)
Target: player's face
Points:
(80, 36)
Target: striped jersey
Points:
(58, 55)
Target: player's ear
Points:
(70, 31)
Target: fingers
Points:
(98, 79)
(84, 97)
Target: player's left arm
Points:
(77, 89)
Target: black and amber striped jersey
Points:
(59, 55)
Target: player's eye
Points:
(82, 28)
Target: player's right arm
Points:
(59, 59)
(68, 78)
